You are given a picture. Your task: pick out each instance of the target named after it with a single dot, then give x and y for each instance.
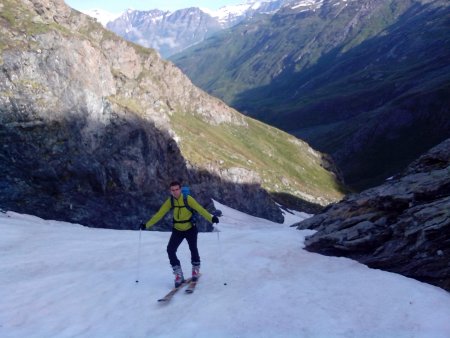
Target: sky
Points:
(118, 6)
(61, 280)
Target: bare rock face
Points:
(401, 226)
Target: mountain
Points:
(171, 32)
(400, 226)
(365, 81)
(164, 31)
(94, 128)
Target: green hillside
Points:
(282, 162)
(356, 80)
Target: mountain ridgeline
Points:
(165, 31)
(171, 32)
(365, 81)
(94, 128)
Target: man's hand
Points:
(217, 213)
(215, 219)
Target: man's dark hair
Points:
(174, 183)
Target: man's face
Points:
(175, 191)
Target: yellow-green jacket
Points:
(180, 213)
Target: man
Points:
(183, 228)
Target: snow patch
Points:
(102, 16)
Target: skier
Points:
(183, 228)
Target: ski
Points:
(192, 285)
(169, 296)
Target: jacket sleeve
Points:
(197, 207)
(165, 208)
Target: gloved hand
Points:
(217, 213)
(142, 226)
(215, 219)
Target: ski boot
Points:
(195, 271)
(179, 278)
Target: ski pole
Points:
(220, 256)
(139, 255)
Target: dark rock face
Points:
(47, 169)
(401, 226)
(114, 181)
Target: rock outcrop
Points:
(402, 226)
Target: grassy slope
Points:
(284, 163)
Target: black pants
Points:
(175, 240)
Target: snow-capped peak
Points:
(223, 13)
(307, 4)
(101, 15)
(227, 13)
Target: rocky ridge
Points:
(88, 129)
(401, 226)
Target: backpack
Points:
(186, 192)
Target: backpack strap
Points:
(187, 206)
(185, 202)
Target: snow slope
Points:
(65, 280)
